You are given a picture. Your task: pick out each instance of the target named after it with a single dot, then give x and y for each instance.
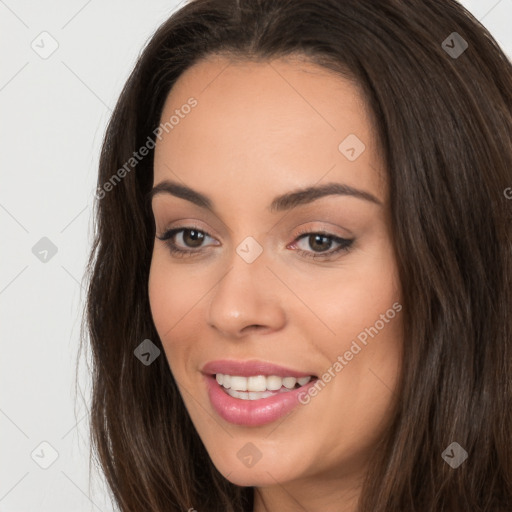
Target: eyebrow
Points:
(281, 203)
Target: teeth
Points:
(239, 383)
(274, 383)
(289, 382)
(258, 384)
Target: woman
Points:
(301, 282)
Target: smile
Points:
(254, 393)
(258, 386)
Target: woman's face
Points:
(279, 270)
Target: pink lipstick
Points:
(254, 393)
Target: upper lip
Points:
(250, 368)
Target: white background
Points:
(53, 116)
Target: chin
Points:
(262, 474)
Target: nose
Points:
(246, 299)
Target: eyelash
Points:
(345, 243)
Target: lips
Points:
(254, 411)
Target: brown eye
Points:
(319, 243)
(192, 237)
(186, 241)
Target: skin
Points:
(260, 130)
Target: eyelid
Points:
(187, 223)
(325, 227)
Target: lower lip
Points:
(253, 413)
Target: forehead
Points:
(266, 125)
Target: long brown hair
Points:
(443, 116)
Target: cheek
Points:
(362, 310)
(349, 301)
(162, 297)
(363, 363)
(174, 298)
(173, 293)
